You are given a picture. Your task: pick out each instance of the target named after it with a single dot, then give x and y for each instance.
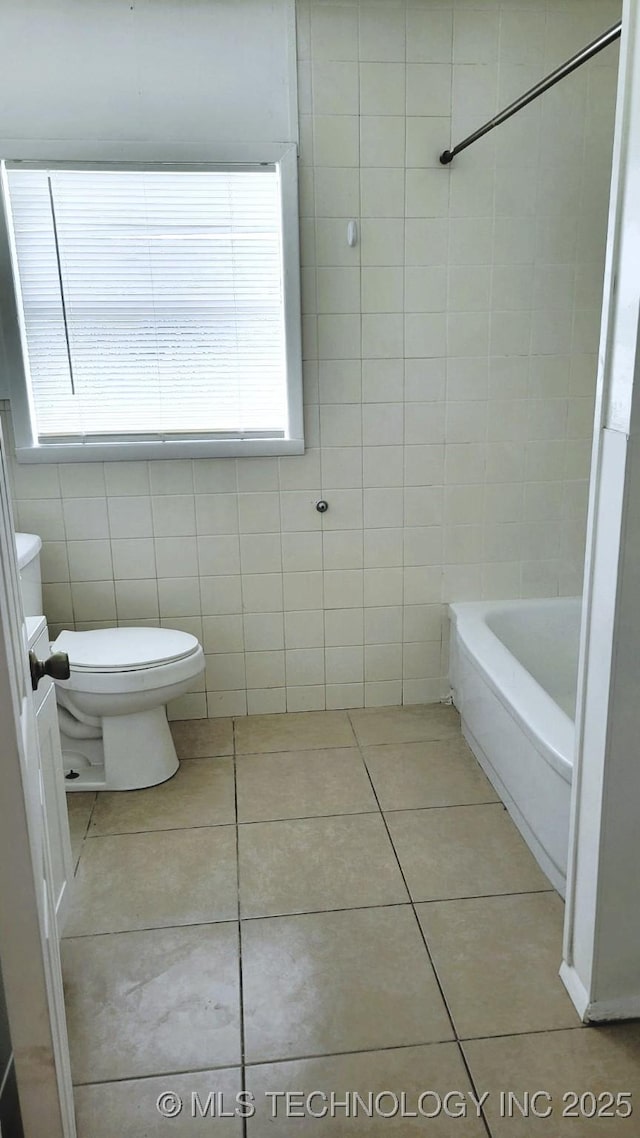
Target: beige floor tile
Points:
(406, 1070)
(79, 807)
(300, 731)
(441, 773)
(154, 880)
(596, 1060)
(317, 863)
(498, 959)
(302, 784)
(201, 793)
(143, 1003)
(463, 851)
(129, 1109)
(202, 738)
(405, 724)
(330, 982)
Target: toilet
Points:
(112, 709)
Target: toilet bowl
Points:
(112, 709)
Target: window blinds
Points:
(152, 301)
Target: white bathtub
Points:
(513, 674)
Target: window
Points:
(158, 312)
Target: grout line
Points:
(152, 929)
(488, 896)
(322, 912)
(290, 818)
(332, 1055)
(474, 1086)
(76, 861)
(227, 825)
(444, 806)
(267, 1062)
(446, 738)
(428, 952)
(161, 1075)
(394, 904)
(161, 830)
(311, 912)
(234, 920)
(537, 1031)
(306, 817)
(359, 813)
(201, 758)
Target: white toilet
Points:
(112, 709)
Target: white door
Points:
(55, 799)
(29, 945)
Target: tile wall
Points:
(449, 377)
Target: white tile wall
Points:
(449, 376)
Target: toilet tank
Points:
(28, 546)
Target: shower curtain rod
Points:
(550, 81)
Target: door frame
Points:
(601, 964)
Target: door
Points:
(29, 944)
(55, 799)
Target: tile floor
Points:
(332, 902)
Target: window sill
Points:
(172, 448)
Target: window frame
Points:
(29, 448)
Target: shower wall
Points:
(450, 361)
(474, 297)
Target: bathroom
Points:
(450, 329)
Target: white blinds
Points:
(152, 301)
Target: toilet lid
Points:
(124, 649)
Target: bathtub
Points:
(513, 675)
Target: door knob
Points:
(57, 666)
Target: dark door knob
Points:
(57, 666)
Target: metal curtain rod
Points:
(550, 81)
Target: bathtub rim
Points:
(543, 721)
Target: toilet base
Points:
(135, 751)
(81, 775)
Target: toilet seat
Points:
(124, 649)
(117, 661)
